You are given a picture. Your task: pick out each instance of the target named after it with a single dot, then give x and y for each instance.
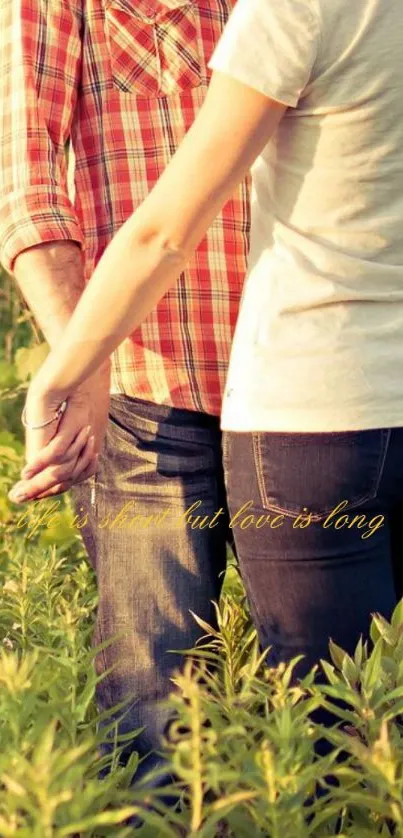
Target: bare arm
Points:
(50, 277)
(151, 249)
(40, 234)
(51, 280)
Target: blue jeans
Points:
(164, 466)
(322, 548)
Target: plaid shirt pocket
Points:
(153, 46)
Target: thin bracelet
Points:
(59, 412)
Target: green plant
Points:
(242, 746)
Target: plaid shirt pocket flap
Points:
(153, 46)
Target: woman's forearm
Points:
(127, 284)
(152, 248)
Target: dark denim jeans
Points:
(313, 578)
(153, 571)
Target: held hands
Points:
(66, 451)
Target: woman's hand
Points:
(64, 452)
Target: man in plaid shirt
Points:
(122, 80)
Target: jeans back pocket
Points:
(154, 47)
(317, 473)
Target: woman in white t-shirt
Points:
(311, 93)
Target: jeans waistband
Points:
(163, 413)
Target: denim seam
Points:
(94, 494)
(94, 504)
(105, 681)
(224, 444)
(256, 436)
(94, 500)
(386, 434)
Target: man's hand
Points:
(50, 277)
(56, 460)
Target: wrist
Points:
(53, 413)
(41, 391)
(100, 378)
(44, 386)
(41, 404)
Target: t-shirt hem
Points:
(304, 421)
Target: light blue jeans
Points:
(153, 571)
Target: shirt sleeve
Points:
(270, 45)
(40, 56)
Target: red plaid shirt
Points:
(123, 80)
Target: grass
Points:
(243, 744)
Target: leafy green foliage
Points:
(243, 747)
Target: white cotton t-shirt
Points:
(319, 340)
